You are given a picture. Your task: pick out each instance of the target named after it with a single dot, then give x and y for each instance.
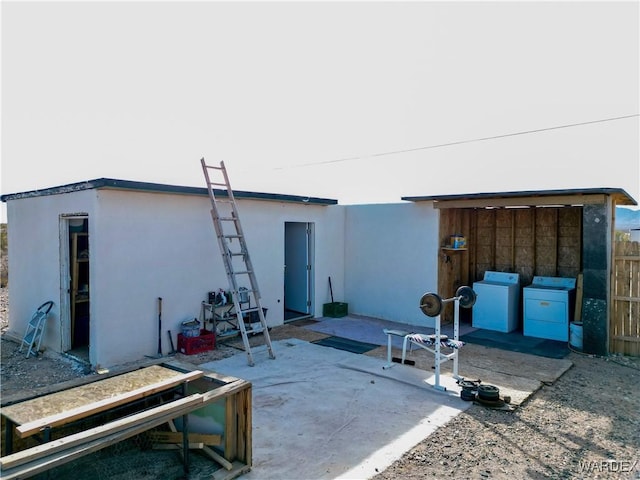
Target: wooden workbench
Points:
(57, 409)
(92, 393)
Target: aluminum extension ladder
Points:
(237, 262)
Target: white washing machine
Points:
(549, 303)
(498, 299)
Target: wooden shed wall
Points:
(532, 241)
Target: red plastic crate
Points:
(192, 345)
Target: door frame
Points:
(309, 243)
(66, 342)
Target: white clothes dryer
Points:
(549, 303)
(497, 303)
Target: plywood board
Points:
(59, 402)
(65, 449)
(162, 411)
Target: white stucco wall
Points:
(381, 259)
(150, 245)
(263, 224)
(391, 254)
(34, 258)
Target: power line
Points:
(459, 142)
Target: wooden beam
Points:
(148, 418)
(176, 437)
(31, 428)
(244, 452)
(217, 378)
(513, 240)
(626, 299)
(532, 201)
(173, 446)
(626, 338)
(68, 455)
(227, 465)
(230, 428)
(8, 400)
(579, 292)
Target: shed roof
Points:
(115, 184)
(577, 196)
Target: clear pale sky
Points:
(315, 98)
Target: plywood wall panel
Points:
(524, 261)
(529, 241)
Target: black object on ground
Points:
(516, 342)
(406, 362)
(488, 393)
(346, 344)
(467, 395)
(173, 349)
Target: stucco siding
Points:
(34, 258)
(147, 245)
(265, 238)
(391, 252)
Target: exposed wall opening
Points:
(530, 241)
(298, 270)
(75, 285)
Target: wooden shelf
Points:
(451, 249)
(79, 276)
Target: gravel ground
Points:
(585, 425)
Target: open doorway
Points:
(298, 276)
(75, 272)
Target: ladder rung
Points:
(247, 290)
(249, 310)
(231, 215)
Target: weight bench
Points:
(431, 305)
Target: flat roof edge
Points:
(112, 183)
(623, 197)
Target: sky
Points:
(363, 102)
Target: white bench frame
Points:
(423, 341)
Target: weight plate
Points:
(488, 392)
(490, 403)
(431, 304)
(467, 395)
(467, 296)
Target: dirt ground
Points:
(585, 425)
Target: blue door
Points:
(297, 257)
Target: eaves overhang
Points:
(527, 198)
(115, 184)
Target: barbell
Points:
(431, 304)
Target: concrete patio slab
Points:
(319, 412)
